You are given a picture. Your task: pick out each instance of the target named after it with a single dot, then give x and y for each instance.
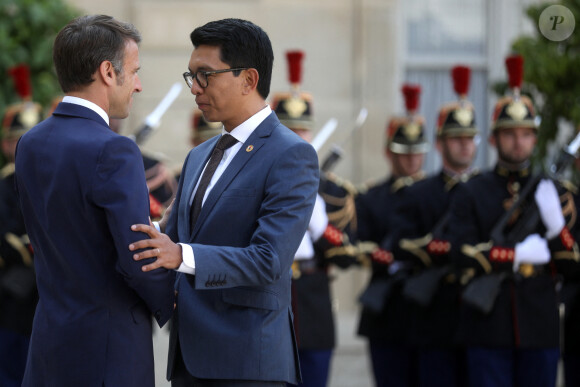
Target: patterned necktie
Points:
(226, 141)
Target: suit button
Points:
(158, 315)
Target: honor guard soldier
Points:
(422, 219)
(326, 242)
(509, 312)
(162, 185)
(18, 294)
(571, 302)
(384, 319)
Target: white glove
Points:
(533, 250)
(548, 202)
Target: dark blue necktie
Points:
(226, 141)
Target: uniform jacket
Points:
(525, 312)
(81, 188)
(570, 270)
(422, 220)
(375, 220)
(234, 316)
(312, 296)
(17, 305)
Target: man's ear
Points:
(251, 78)
(492, 140)
(107, 73)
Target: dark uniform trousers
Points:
(422, 219)
(393, 357)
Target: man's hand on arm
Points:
(168, 253)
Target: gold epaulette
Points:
(364, 250)
(19, 244)
(342, 183)
(363, 188)
(451, 181)
(477, 252)
(569, 186)
(7, 170)
(344, 212)
(417, 247)
(407, 181)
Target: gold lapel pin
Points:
(250, 148)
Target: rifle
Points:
(482, 291)
(323, 134)
(152, 120)
(529, 218)
(336, 150)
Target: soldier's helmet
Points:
(458, 118)
(294, 108)
(202, 130)
(514, 110)
(406, 134)
(23, 115)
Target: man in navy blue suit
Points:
(81, 187)
(233, 321)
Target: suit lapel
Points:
(194, 168)
(249, 150)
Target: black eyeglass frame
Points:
(189, 77)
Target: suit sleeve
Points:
(120, 189)
(171, 228)
(284, 212)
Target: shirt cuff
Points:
(156, 225)
(188, 264)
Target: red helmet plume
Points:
(295, 66)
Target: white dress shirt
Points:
(88, 104)
(240, 133)
(316, 228)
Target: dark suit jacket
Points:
(233, 316)
(81, 187)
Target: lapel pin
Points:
(249, 148)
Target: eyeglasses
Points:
(202, 76)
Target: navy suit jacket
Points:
(233, 316)
(81, 187)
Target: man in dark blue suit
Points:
(81, 187)
(233, 321)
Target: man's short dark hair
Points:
(83, 44)
(242, 44)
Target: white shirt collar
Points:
(245, 129)
(88, 104)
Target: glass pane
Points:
(445, 27)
